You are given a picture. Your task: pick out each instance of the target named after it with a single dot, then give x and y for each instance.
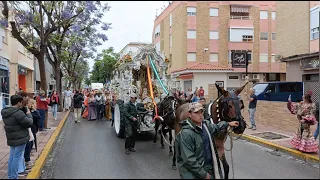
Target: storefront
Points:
(22, 78)
(4, 75)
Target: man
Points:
(99, 105)
(252, 98)
(131, 124)
(16, 124)
(194, 142)
(42, 107)
(67, 99)
(77, 102)
(205, 107)
(201, 92)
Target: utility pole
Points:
(247, 64)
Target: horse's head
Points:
(180, 101)
(229, 106)
(166, 109)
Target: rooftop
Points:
(203, 67)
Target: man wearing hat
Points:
(195, 148)
(131, 124)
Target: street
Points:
(92, 150)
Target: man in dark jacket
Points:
(16, 127)
(77, 104)
(195, 150)
(131, 124)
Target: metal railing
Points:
(241, 17)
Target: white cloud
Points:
(132, 21)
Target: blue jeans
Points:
(316, 133)
(54, 110)
(252, 111)
(16, 161)
(42, 113)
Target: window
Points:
(170, 40)
(273, 58)
(214, 12)
(191, 34)
(157, 45)
(314, 23)
(273, 36)
(263, 14)
(191, 56)
(4, 36)
(233, 77)
(263, 57)
(273, 14)
(214, 57)
(170, 19)
(237, 34)
(272, 87)
(191, 11)
(214, 35)
(287, 87)
(246, 38)
(263, 36)
(157, 31)
(315, 33)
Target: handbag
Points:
(31, 135)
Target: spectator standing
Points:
(77, 103)
(42, 107)
(201, 92)
(16, 124)
(252, 98)
(54, 101)
(67, 99)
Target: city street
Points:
(92, 150)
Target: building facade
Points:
(298, 42)
(191, 32)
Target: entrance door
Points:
(22, 82)
(187, 85)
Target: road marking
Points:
(38, 165)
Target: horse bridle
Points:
(224, 102)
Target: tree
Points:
(103, 68)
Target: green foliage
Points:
(104, 66)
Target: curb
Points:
(38, 165)
(296, 153)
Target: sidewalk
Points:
(278, 139)
(42, 137)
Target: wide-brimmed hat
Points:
(195, 107)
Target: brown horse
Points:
(228, 108)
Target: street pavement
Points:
(92, 150)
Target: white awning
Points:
(240, 9)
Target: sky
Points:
(132, 21)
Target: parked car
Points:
(279, 91)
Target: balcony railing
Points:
(241, 17)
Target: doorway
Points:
(22, 82)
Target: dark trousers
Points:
(112, 120)
(131, 134)
(99, 111)
(42, 113)
(27, 151)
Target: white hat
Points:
(133, 95)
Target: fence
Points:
(313, 86)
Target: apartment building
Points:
(200, 39)
(298, 42)
(16, 65)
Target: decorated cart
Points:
(142, 73)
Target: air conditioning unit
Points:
(243, 76)
(256, 76)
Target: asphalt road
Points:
(92, 150)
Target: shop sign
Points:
(4, 62)
(22, 70)
(238, 59)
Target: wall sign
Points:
(22, 70)
(238, 59)
(309, 64)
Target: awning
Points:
(240, 9)
(186, 76)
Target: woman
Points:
(92, 112)
(54, 102)
(196, 98)
(303, 139)
(86, 110)
(108, 107)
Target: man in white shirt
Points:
(67, 99)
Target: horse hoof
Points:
(162, 147)
(170, 153)
(174, 167)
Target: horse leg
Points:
(174, 166)
(162, 133)
(156, 129)
(225, 166)
(170, 140)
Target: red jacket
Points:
(43, 105)
(56, 98)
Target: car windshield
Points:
(259, 88)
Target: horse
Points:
(166, 109)
(227, 106)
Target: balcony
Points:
(240, 17)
